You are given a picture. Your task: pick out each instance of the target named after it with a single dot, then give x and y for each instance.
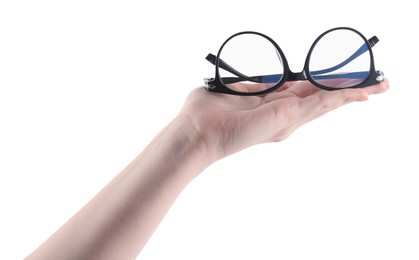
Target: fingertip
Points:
(383, 86)
(379, 88)
(364, 96)
(386, 83)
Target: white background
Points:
(85, 85)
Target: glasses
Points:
(251, 63)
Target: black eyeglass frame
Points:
(216, 84)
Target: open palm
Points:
(230, 123)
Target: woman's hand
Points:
(119, 220)
(227, 124)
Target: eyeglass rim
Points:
(216, 85)
(366, 41)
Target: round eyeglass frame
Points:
(216, 84)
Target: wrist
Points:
(189, 140)
(180, 150)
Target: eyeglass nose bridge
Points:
(295, 76)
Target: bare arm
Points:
(119, 220)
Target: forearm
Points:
(119, 220)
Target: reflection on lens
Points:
(340, 59)
(250, 63)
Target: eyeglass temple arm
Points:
(211, 58)
(372, 41)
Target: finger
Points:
(303, 89)
(249, 86)
(379, 88)
(286, 85)
(325, 101)
(298, 89)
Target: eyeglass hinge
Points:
(380, 76)
(207, 83)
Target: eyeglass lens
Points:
(340, 59)
(251, 56)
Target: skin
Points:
(119, 220)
